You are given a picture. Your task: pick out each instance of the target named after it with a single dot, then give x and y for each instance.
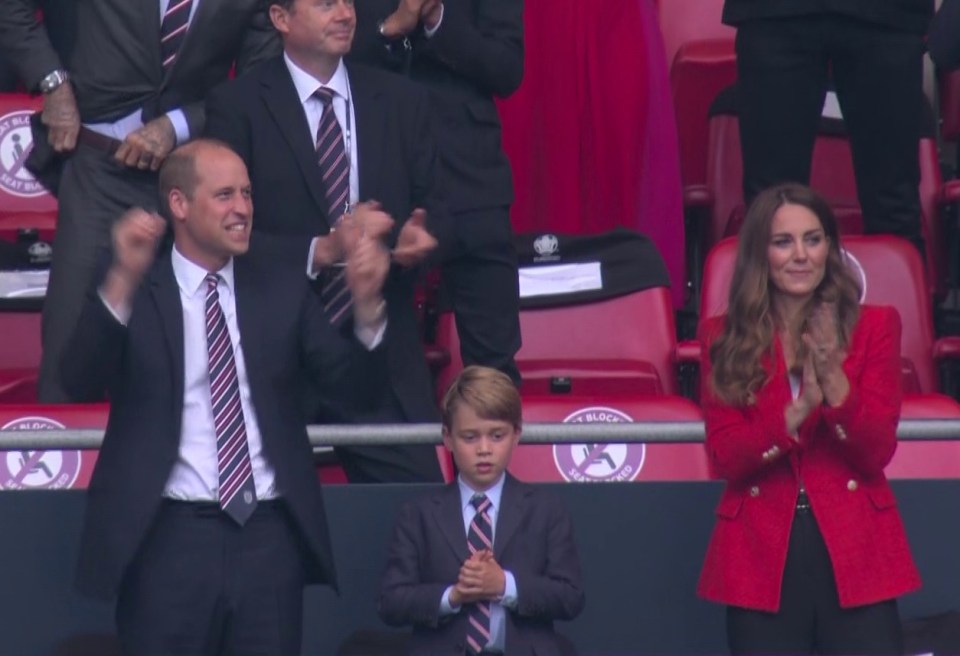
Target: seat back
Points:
(19, 190)
(620, 345)
(892, 274)
(699, 51)
(832, 176)
(686, 21)
(593, 463)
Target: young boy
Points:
(485, 564)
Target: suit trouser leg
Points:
(94, 192)
(782, 74)
(480, 280)
(407, 463)
(203, 586)
(879, 78)
(810, 619)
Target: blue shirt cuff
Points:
(430, 31)
(509, 599)
(180, 126)
(445, 607)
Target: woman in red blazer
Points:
(801, 393)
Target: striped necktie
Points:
(173, 30)
(334, 162)
(479, 537)
(238, 495)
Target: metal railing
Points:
(533, 433)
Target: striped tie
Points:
(238, 496)
(334, 161)
(173, 30)
(479, 537)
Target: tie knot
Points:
(213, 279)
(480, 502)
(324, 95)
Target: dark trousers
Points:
(479, 276)
(784, 67)
(94, 192)
(810, 619)
(203, 586)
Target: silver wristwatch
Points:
(53, 80)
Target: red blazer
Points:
(840, 457)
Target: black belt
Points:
(98, 141)
(212, 508)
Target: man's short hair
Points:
(179, 171)
(488, 392)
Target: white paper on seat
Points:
(24, 284)
(554, 279)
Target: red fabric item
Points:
(591, 133)
(841, 454)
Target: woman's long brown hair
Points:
(736, 355)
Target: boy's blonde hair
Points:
(489, 392)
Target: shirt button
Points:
(841, 434)
(852, 485)
(755, 491)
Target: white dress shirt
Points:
(194, 476)
(306, 85)
(498, 624)
(120, 128)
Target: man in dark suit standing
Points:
(133, 90)
(486, 564)
(465, 53)
(322, 140)
(788, 51)
(204, 514)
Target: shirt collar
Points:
(306, 84)
(494, 493)
(190, 277)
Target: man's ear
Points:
(278, 16)
(177, 202)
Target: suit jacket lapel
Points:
(449, 519)
(151, 32)
(166, 297)
(510, 515)
(280, 97)
(245, 296)
(204, 11)
(370, 117)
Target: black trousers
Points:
(203, 586)
(784, 67)
(810, 619)
(479, 277)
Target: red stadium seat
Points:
(19, 191)
(687, 21)
(19, 356)
(611, 462)
(832, 176)
(47, 470)
(893, 275)
(623, 345)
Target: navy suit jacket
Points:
(140, 366)
(260, 116)
(533, 539)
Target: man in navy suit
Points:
(487, 563)
(204, 515)
(272, 117)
